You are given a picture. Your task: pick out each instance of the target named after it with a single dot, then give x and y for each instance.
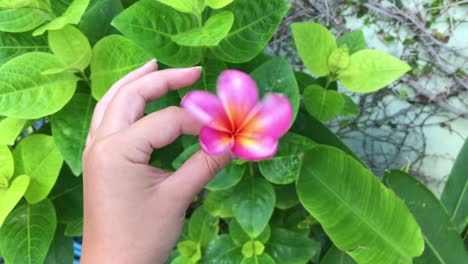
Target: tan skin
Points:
(133, 212)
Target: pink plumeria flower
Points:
(236, 121)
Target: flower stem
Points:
(251, 169)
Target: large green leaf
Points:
(253, 204)
(203, 227)
(14, 44)
(355, 209)
(312, 128)
(284, 82)
(228, 177)
(219, 203)
(184, 6)
(222, 250)
(259, 259)
(216, 4)
(113, 57)
(323, 104)
(60, 6)
(26, 93)
(75, 228)
(215, 29)
(7, 164)
(355, 41)
(23, 19)
(455, 195)
(151, 24)
(38, 157)
(239, 236)
(67, 197)
(12, 195)
(96, 21)
(350, 108)
(61, 249)
(285, 166)
(314, 44)
(288, 247)
(286, 196)
(70, 128)
(371, 70)
(443, 244)
(71, 46)
(254, 25)
(71, 16)
(27, 233)
(10, 128)
(336, 256)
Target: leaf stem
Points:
(84, 77)
(251, 169)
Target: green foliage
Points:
(27, 233)
(250, 212)
(351, 193)
(455, 195)
(26, 93)
(42, 166)
(443, 244)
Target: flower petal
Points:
(272, 117)
(215, 142)
(207, 108)
(238, 93)
(254, 148)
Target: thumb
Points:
(195, 173)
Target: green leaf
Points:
(7, 164)
(71, 46)
(67, 197)
(336, 256)
(339, 59)
(113, 57)
(217, 4)
(455, 194)
(96, 21)
(61, 249)
(262, 259)
(71, 16)
(202, 226)
(230, 176)
(285, 83)
(38, 157)
(60, 6)
(190, 249)
(75, 228)
(26, 93)
(22, 19)
(147, 23)
(355, 41)
(12, 195)
(253, 204)
(350, 108)
(219, 203)
(222, 250)
(310, 127)
(371, 70)
(285, 166)
(70, 128)
(10, 128)
(184, 6)
(314, 44)
(286, 196)
(254, 25)
(170, 99)
(215, 29)
(14, 44)
(182, 260)
(27, 233)
(443, 244)
(239, 236)
(303, 80)
(23, 3)
(345, 199)
(185, 155)
(211, 70)
(288, 247)
(252, 248)
(323, 104)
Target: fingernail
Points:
(198, 67)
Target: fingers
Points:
(129, 103)
(101, 107)
(157, 130)
(195, 174)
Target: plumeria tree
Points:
(294, 194)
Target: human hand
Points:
(133, 212)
